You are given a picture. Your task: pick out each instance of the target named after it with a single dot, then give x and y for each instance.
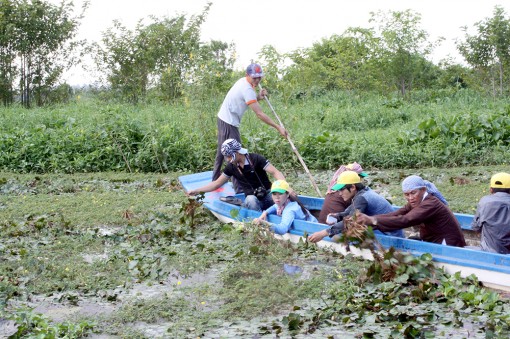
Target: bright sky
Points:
(285, 24)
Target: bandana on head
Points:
(414, 182)
(230, 147)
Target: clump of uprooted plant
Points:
(190, 212)
(389, 265)
(403, 295)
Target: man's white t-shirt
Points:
(236, 102)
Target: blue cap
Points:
(255, 71)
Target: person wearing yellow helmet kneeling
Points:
(364, 200)
(492, 217)
(286, 205)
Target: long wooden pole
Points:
(294, 148)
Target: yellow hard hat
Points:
(280, 186)
(346, 178)
(500, 180)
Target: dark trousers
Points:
(225, 131)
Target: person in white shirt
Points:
(241, 96)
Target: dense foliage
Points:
(369, 94)
(160, 59)
(438, 128)
(128, 255)
(399, 294)
(488, 51)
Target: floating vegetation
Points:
(401, 295)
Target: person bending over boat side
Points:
(250, 170)
(287, 205)
(426, 208)
(364, 200)
(492, 216)
(333, 202)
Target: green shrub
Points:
(442, 128)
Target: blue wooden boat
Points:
(491, 268)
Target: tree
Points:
(403, 46)
(125, 62)
(346, 61)
(177, 47)
(358, 62)
(274, 65)
(43, 44)
(159, 55)
(391, 54)
(454, 75)
(7, 52)
(212, 72)
(488, 50)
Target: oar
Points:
(294, 147)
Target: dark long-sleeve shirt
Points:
(492, 218)
(436, 222)
(366, 201)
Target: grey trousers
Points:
(225, 131)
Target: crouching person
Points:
(333, 202)
(286, 205)
(364, 200)
(492, 216)
(250, 170)
(426, 208)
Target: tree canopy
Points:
(166, 59)
(36, 45)
(488, 51)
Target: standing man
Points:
(241, 96)
(492, 216)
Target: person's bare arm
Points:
(210, 186)
(274, 172)
(318, 236)
(261, 220)
(265, 118)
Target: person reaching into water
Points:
(364, 200)
(334, 202)
(250, 170)
(427, 208)
(286, 205)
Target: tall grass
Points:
(336, 127)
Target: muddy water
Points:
(59, 309)
(95, 308)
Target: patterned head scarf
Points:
(231, 146)
(414, 182)
(350, 167)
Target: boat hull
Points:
(490, 268)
